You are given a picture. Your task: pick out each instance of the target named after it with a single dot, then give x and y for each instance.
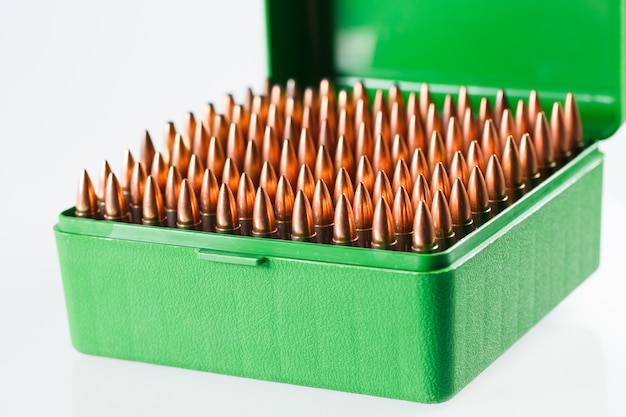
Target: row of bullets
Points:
(451, 171)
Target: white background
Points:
(79, 82)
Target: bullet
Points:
(381, 127)
(359, 92)
(415, 134)
(170, 137)
(189, 129)
(263, 221)
(395, 96)
(507, 127)
(343, 156)
(460, 210)
(180, 154)
(245, 204)
(440, 180)
(528, 160)
(562, 148)
(153, 212)
(502, 104)
(290, 131)
(379, 104)
(412, 106)
(147, 151)
(292, 89)
(327, 89)
(475, 156)
(490, 142)
(267, 87)
(114, 201)
(364, 143)
(424, 240)
(241, 118)
(382, 188)
(363, 212)
(293, 109)
(209, 193)
(484, 113)
(187, 215)
(463, 102)
(308, 121)
(309, 99)
(215, 157)
(128, 163)
(345, 127)
(275, 120)
(158, 171)
(326, 135)
(267, 179)
(324, 169)
(228, 106)
(478, 197)
(288, 165)
(86, 200)
(255, 130)
(172, 190)
(543, 146)
(343, 186)
(306, 182)
(252, 162)
(344, 230)
(200, 145)
(137, 188)
(220, 129)
(403, 220)
(433, 121)
(573, 124)
(271, 148)
(470, 128)
(302, 229)
(361, 114)
(521, 120)
(447, 113)
(454, 139)
(419, 165)
(323, 213)
(425, 100)
(105, 170)
(226, 219)
(421, 192)
(383, 228)
(442, 221)
(306, 148)
(458, 168)
(277, 97)
(401, 177)
(399, 149)
(283, 208)
(259, 106)
(397, 123)
(436, 151)
(512, 170)
(235, 146)
(496, 186)
(381, 159)
(209, 117)
(534, 108)
(365, 173)
(195, 174)
(231, 174)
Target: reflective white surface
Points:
(78, 83)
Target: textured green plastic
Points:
(551, 46)
(399, 325)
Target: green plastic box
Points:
(391, 324)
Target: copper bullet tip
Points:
(252, 162)
(507, 127)
(560, 141)
(306, 182)
(200, 145)
(172, 188)
(86, 200)
(419, 164)
(137, 185)
(433, 121)
(573, 124)
(289, 162)
(543, 145)
(302, 219)
(382, 188)
(284, 200)
(235, 146)
(365, 174)
(245, 197)
(442, 220)
(470, 128)
(383, 228)
(490, 142)
(216, 158)
(105, 170)
(484, 113)
(188, 216)
(267, 179)
(440, 180)
(114, 201)
(402, 212)
(496, 186)
(512, 169)
(195, 172)
(460, 210)
(363, 208)
(209, 193)
(528, 161)
(424, 239)
(381, 159)
(231, 174)
(458, 168)
(306, 148)
(401, 177)
(343, 186)
(364, 142)
(153, 212)
(226, 220)
(180, 154)
(271, 147)
(159, 170)
(502, 104)
(263, 222)
(421, 192)
(189, 128)
(399, 149)
(454, 139)
(344, 231)
(324, 169)
(478, 193)
(436, 151)
(322, 205)
(415, 134)
(147, 151)
(534, 108)
(343, 156)
(475, 157)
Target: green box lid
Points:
(552, 47)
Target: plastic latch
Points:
(230, 258)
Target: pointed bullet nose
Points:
(114, 201)
(86, 200)
(383, 228)
(226, 219)
(263, 221)
(344, 231)
(153, 212)
(424, 239)
(188, 216)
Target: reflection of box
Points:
(401, 325)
